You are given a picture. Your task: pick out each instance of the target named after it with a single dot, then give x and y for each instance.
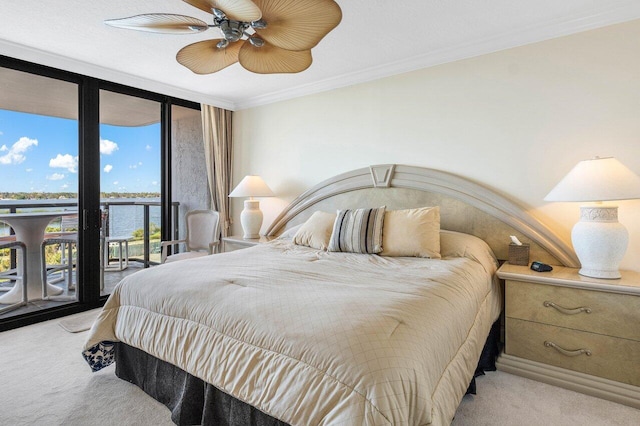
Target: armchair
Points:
(202, 230)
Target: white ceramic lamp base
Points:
(251, 219)
(600, 242)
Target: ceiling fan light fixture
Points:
(260, 24)
(256, 41)
(218, 13)
(222, 44)
(232, 30)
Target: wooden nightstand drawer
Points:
(610, 332)
(610, 357)
(612, 314)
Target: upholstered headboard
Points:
(465, 206)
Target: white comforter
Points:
(314, 338)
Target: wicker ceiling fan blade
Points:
(160, 23)
(204, 57)
(237, 10)
(270, 59)
(298, 24)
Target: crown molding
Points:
(521, 37)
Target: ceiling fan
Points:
(265, 36)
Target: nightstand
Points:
(236, 242)
(572, 331)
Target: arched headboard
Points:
(465, 206)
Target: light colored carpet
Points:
(79, 322)
(45, 381)
(507, 400)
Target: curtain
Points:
(218, 146)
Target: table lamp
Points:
(599, 240)
(251, 216)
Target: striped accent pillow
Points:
(358, 231)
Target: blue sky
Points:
(40, 154)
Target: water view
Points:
(124, 220)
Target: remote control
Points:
(541, 267)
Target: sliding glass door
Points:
(86, 166)
(38, 189)
(130, 184)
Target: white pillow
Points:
(316, 231)
(289, 233)
(412, 233)
(458, 244)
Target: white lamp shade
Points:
(598, 179)
(252, 186)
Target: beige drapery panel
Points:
(218, 147)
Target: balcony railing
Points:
(114, 224)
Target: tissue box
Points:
(519, 255)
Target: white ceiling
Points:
(375, 39)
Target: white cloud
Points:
(148, 147)
(108, 168)
(154, 183)
(15, 154)
(56, 176)
(66, 161)
(28, 170)
(64, 186)
(107, 147)
(115, 183)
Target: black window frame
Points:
(89, 180)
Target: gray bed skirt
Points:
(191, 400)
(195, 402)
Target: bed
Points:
(313, 329)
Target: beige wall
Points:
(516, 121)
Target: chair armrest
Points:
(172, 242)
(165, 244)
(212, 245)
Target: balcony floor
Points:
(111, 279)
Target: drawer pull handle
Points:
(577, 352)
(566, 311)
